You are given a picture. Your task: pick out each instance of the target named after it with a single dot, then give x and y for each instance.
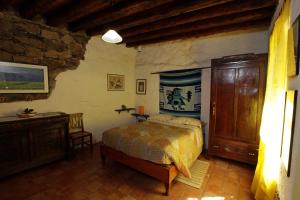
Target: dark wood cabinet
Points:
(237, 93)
(30, 142)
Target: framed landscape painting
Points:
(115, 82)
(23, 78)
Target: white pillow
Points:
(187, 121)
(161, 117)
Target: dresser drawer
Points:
(234, 150)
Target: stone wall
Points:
(24, 41)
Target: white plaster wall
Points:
(289, 186)
(192, 53)
(293, 184)
(85, 89)
(295, 7)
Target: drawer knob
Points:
(251, 154)
(216, 146)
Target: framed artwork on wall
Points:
(141, 86)
(296, 31)
(288, 129)
(23, 78)
(115, 82)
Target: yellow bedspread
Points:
(160, 143)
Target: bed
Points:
(160, 149)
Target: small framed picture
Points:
(115, 82)
(141, 86)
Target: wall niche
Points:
(30, 42)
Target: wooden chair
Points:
(77, 134)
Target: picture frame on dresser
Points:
(23, 78)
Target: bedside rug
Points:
(198, 171)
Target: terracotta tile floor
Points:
(85, 178)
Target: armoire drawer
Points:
(234, 150)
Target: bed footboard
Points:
(166, 174)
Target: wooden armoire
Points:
(237, 95)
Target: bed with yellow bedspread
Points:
(158, 142)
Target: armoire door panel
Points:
(224, 102)
(247, 103)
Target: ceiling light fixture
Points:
(112, 36)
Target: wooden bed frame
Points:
(164, 173)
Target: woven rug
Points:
(198, 171)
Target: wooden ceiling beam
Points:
(252, 25)
(116, 13)
(80, 9)
(203, 25)
(11, 3)
(41, 7)
(216, 11)
(155, 14)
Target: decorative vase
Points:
(141, 110)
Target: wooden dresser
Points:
(30, 142)
(237, 94)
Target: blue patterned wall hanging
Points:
(180, 93)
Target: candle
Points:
(141, 110)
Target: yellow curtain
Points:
(267, 171)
